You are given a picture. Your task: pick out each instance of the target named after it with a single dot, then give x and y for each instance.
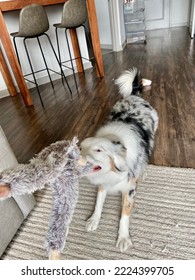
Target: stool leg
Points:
(59, 63)
(58, 47)
(89, 41)
(71, 58)
(24, 41)
(15, 46)
(45, 62)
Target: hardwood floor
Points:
(168, 59)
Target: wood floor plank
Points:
(168, 59)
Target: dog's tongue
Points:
(96, 168)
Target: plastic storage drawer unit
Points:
(134, 21)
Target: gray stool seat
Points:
(33, 23)
(74, 15)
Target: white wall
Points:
(104, 8)
(122, 26)
(3, 88)
(103, 16)
(54, 15)
(180, 11)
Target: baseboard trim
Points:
(106, 46)
(180, 24)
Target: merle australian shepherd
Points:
(120, 150)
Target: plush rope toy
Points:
(58, 166)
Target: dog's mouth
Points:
(97, 168)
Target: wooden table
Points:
(8, 47)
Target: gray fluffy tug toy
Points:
(58, 166)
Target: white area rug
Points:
(162, 224)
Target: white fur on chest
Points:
(112, 182)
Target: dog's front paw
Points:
(92, 223)
(123, 243)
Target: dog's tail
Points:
(125, 81)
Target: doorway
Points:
(157, 14)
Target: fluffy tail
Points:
(125, 81)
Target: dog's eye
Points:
(98, 150)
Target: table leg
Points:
(95, 40)
(7, 76)
(75, 45)
(93, 23)
(7, 44)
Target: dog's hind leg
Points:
(93, 221)
(124, 239)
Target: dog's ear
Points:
(118, 158)
(118, 163)
(85, 144)
(87, 141)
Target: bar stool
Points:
(74, 15)
(33, 23)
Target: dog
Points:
(120, 152)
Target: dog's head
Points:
(104, 154)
